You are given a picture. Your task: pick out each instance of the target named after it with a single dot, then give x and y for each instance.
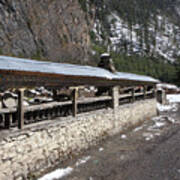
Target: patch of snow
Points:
(25, 103)
(123, 136)
(159, 124)
(83, 160)
(138, 128)
(169, 107)
(167, 86)
(163, 118)
(105, 55)
(173, 98)
(59, 173)
(33, 91)
(157, 134)
(153, 128)
(148, 136)
(101, 149)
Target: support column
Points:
(20, 109)
(133, 95)
(161, 96)
(74, 101)
(115, 97)
(8, 120)
(144, 91)
(155, 92)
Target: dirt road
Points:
(149, 152)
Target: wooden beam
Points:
(74, 101)
(20, 109)
(13, 79)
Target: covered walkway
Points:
(17, 73)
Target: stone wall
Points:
(46, 144)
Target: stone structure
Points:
(40, 146)
(106, 62)
(161, 97)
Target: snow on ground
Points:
(101, 149)
(83, 160)
(138, 128)
(123, 136)
(173, 98)
(59, 173)
(169, 107)
(159, 122)
(148, 136)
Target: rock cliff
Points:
(56, 30)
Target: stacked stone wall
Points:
(44, 145)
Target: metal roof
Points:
(69, 72)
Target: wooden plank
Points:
(20, 109)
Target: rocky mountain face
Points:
(57, 30)
(66, 30)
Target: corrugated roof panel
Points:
(19, 64)
(135, 77)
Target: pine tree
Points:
(178, 72)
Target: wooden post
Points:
(8, 120)
(133, 95)
(155, 92)
(20, 109)
(74, 101)
(144, 91)
(115, 97)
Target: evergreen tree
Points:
(178, 72)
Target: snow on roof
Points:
(105, 55)
(167, 86)
(19, 64)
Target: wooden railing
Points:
(35, 113)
